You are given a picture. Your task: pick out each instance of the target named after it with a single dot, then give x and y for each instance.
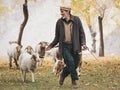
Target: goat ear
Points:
(40, 43)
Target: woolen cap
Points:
(65, 8)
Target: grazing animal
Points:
(13, 52)
(28, 63)
(59, 61)
(40, 49)
(59, 64)
(58, 67)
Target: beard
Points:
(64, 16)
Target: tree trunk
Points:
(101, 48)
(25, 11)
(93, 35)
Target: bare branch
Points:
(101, 8)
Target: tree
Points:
(25, 11)
(101, 47)
(101, 7)
(117, 3)
(83, 7)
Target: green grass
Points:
(103, 75)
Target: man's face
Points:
(64, 13)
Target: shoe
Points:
(61, 79)
(74, 85)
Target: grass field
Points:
(102, 74)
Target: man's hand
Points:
(84, 47)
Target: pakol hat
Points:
(65, 7)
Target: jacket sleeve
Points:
(56, 38)
(81, 33)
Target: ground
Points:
(100, 74)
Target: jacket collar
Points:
(72, 18)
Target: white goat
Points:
(40, 49)
(13, 52)
(28, 63)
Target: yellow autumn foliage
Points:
(117, 3)
(82, 7)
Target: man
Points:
(70, 36)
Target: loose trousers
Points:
(71, 60)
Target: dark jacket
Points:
(78, 36)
